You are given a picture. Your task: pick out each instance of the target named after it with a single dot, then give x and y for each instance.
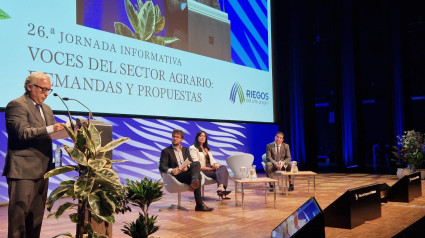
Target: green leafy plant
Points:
(143, 194)
(142, 227)
(146, 21)
(97, 187)
(3, 15)
(410, 149)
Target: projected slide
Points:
(164, 58)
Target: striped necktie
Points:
(38, 106)
(278, 153)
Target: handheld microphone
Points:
(69, 113)
(90, 113)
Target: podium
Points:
(406, 189)
(354, 207)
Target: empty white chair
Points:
(264, 161)
(235, 162)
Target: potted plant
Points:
(410, 149)
(96, 189)
(142, 194)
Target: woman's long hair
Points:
(197, 145)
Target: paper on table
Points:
(185, 163)
(68, 123)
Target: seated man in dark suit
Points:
(174, 156)
(278, 155)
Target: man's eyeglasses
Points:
(43, 89)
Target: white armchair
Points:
(207, 181)
(239, 160)
(172, 185)
(264, 161)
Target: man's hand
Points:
(216, 166)
(176, 171)
(206, 168)
(185, 169)
(278, 167)
(58, 126)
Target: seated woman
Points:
(200, 151)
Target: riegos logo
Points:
(237, 89)
(248, 96)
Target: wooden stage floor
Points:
(258, 218)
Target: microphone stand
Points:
(90, 113)
(69, 113)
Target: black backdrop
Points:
(349, 78)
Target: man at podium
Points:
(29, 154)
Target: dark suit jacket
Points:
(285, 153)
(168, 159)
(29, 148)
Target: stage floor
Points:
(258, 218)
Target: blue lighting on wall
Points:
(349, 113)
(323, 104)
(368, 101)
(417, 98)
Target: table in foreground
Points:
(284, 174)
(255, 181)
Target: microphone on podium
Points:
(69, 113)
(90, 113)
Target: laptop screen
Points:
(297, 219)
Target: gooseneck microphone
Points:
(90, 114)
(69, 113)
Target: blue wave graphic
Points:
(249, 18)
